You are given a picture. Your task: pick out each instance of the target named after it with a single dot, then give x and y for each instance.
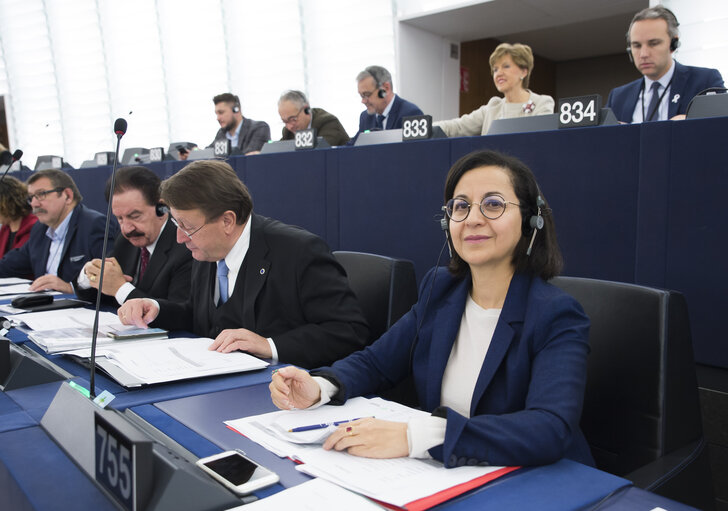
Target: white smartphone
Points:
(238, 472)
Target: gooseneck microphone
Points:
(120, 130)
(16, 156)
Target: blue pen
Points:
(320, 426)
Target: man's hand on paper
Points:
(233, 339)
(291, 387)
(370, 438)
(114, 277)
(138, 311)
(52, 282)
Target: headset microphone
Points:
(536, 222)
(444, 227)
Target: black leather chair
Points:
(641, 408)
(386, 287)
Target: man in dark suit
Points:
(297, 114)
(258, 285)
(246, 136)
(385, 109)
(147, 261)
(66, 236)
(667, 86)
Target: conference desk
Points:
(633, 203)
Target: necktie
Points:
(144, 263)
(380, 121)
(652, 113)
(222, 280)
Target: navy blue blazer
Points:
(84, 241)
(686, 82)
(527, 401)
(400, 108)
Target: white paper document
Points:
(64, 318)
(397, 481)
(311, 496)
(7, 281)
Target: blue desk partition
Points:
(638, 203)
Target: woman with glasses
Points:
(511, 66)
(498, 355)
(15, 215)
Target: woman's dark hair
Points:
(14, 199)
(545, 259)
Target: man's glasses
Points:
(42, 194)
(187, 233)
(293, 118)
(492, 207)
(367, 95)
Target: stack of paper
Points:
(403, 482)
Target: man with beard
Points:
(66, 236)
(246, 136)
(147, 261)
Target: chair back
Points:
(385, 287)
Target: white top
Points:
(478, 121)
(477, 326)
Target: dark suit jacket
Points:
(326, 125)
(22, 236)
(167, 275)
(527, 401)
(401, 108)
(687, 81)
(252, 136)
(289, 288)
(84, 241)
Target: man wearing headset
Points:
(296, 114)
(246, 136)
(667, 86)
(147, 261)
(385, 109)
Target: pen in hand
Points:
(321, 426)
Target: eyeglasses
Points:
(367, 95)
(42, 194)
(185, 231)
(492, 207)
(293, 118)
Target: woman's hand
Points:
(293, 388)
(370, 438)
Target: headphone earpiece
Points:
(674, 44)
(236, 109)
(629, 54)
(536, 222)
(445, 227)
(161, 209)
(307, 110)
(382, 93)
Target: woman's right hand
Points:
(291, 387)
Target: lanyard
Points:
(657, 105)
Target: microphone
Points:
(119, 130)
(15, 157)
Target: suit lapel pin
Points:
(675, 98)
(262, 271)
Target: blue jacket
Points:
(84, 241)
(400, 108)
(687, 82)
(527, 401)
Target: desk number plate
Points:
(305, 139)
(580, 111)
(115, 462)
(417, 127)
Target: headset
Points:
(236, 105)
(536, 222)
(674, 41)
(674, 45)
(161, 209)
(380, 75)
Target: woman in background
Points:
(511, 66)
(15, 215)
(497, 354)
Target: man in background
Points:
(297, 114)
(666, 88)
(66, 236)
(384, 109)
(147, 261)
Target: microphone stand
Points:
(120, 130)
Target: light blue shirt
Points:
(58, 238)
(235, 136)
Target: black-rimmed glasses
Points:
(42, 194)
(492, 208)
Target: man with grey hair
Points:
(667, 86)
(384, 109)
(296, 114)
